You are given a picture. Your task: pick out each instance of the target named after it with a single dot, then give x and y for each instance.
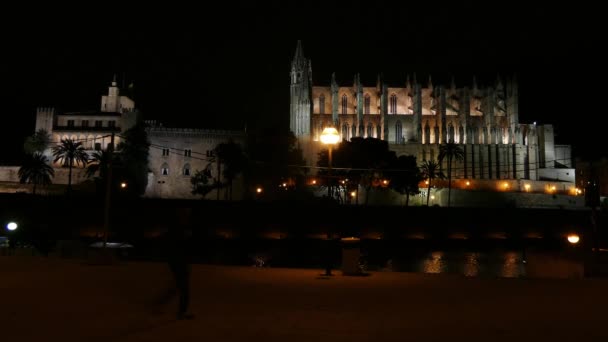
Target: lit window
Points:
(344, 104)
(393, 109)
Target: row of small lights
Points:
(572, 238)
(505, 186)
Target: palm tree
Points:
(70, 152)
(430, 171)
(451, 151)
(36, 170)
(98, 163)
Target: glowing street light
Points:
(123, 185)
(258, 190)
(527, 187)
(573, 239)
(353, 194)
(329, 137)
(12, 226)
(468, 183)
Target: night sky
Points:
(229, 67)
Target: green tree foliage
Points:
(201, 182)
(362, 161)
(70, 152)
(37, 143)
(405, 177)
(233, 159)
(133, 154)
(36, 170)
(274, 156)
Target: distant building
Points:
(416, 119)
(94, 128)
(175, 154)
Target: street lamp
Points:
(12, 226)
(329, 137)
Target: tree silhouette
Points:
(37, 143)
(69, 152)
(405, 177)
(132, 158)
(430, 171)
(36, 170)
(231, 155)
(450, 151)
(200, 182)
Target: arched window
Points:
(164, 170)
(427, 134)
(322, 104)
(186, 170)
(370, 131)
(393, 109)
(451, 138)
(344, 104)
(379, 132)
(345, 132)
(398, 133)
(366, 104)
(354, 129)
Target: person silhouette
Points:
(177, 242)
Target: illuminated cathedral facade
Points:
(416, 118)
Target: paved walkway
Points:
(66, 300)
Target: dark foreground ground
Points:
(69, 300)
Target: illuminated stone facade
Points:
(416, 119)
(175, 154)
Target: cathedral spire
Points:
(114, 81)
(298, 58)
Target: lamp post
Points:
(329, 137)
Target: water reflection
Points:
(507, 264)
(471, 265)
(434, 264)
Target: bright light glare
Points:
(11, 226)
(573, 239)
(330, 136)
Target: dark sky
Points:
(229, 66)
